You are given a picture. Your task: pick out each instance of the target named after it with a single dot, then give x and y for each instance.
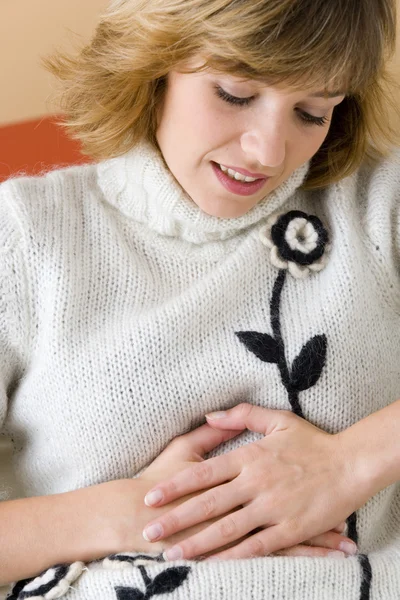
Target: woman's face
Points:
(267, 136)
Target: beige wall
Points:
(30, 29)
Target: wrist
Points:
(359, 479)
(371, 451)
(127, 533)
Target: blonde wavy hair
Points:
(111, 89)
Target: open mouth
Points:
(237, 186)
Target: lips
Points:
(237, 187)
(244, 172)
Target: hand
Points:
(182, 452)
(294, 483)
(329, 544)
(189, 449)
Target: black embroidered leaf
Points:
(126, 593)
(307, 367)
(261, 344)
(168, 580)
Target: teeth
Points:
(235, 175)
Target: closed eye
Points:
(234, 100)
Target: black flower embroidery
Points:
(298, 242)
(306, 368)
(164, 583)
(130, 559)
(51, 584)
(299, 245)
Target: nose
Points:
(265, 144)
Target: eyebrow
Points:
(329, 94)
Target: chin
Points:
(225, 212)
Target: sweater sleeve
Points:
(378, 199)
(14, 304)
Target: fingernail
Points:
(153, 497)
(152, 532)
(216, 415)
(348, 547)
(173, 553)
(336, 554)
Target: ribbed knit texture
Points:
(120, 308)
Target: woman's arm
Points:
(373, 448)
(93, 522)
(39, 532)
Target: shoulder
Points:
(378, 198)
(31, 204)
(52, 187)
(370, 198)
(376, 184)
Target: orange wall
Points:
(34, 146)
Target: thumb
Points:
(203, 439)
(248, 416)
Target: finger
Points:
(248, 416)
(266, 542)
(203, 439)
(270, 540)
(333, 541)
(199, 476)
(228, 529)
(304, 550)
(341, 528)
(211, 504)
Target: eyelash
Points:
(305, 117)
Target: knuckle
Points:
(170, 490)
(178, 444)
(208, 505)
(256, 547)
(295, 532)
(202, 472)
(190, 548)
(170, 523)
(287, 539)
(245, 409)
(251, 453)
(227, 528)
(287, 418)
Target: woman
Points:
(236, 248)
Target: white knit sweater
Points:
(125, 316)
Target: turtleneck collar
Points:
(140, 185)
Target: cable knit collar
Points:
(141, 186)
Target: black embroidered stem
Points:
(146, 578)
(304, 373)
(295, 404)
(366, 581)
(352, 527)
(276, 328)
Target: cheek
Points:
(312, 141)
(205, 122)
